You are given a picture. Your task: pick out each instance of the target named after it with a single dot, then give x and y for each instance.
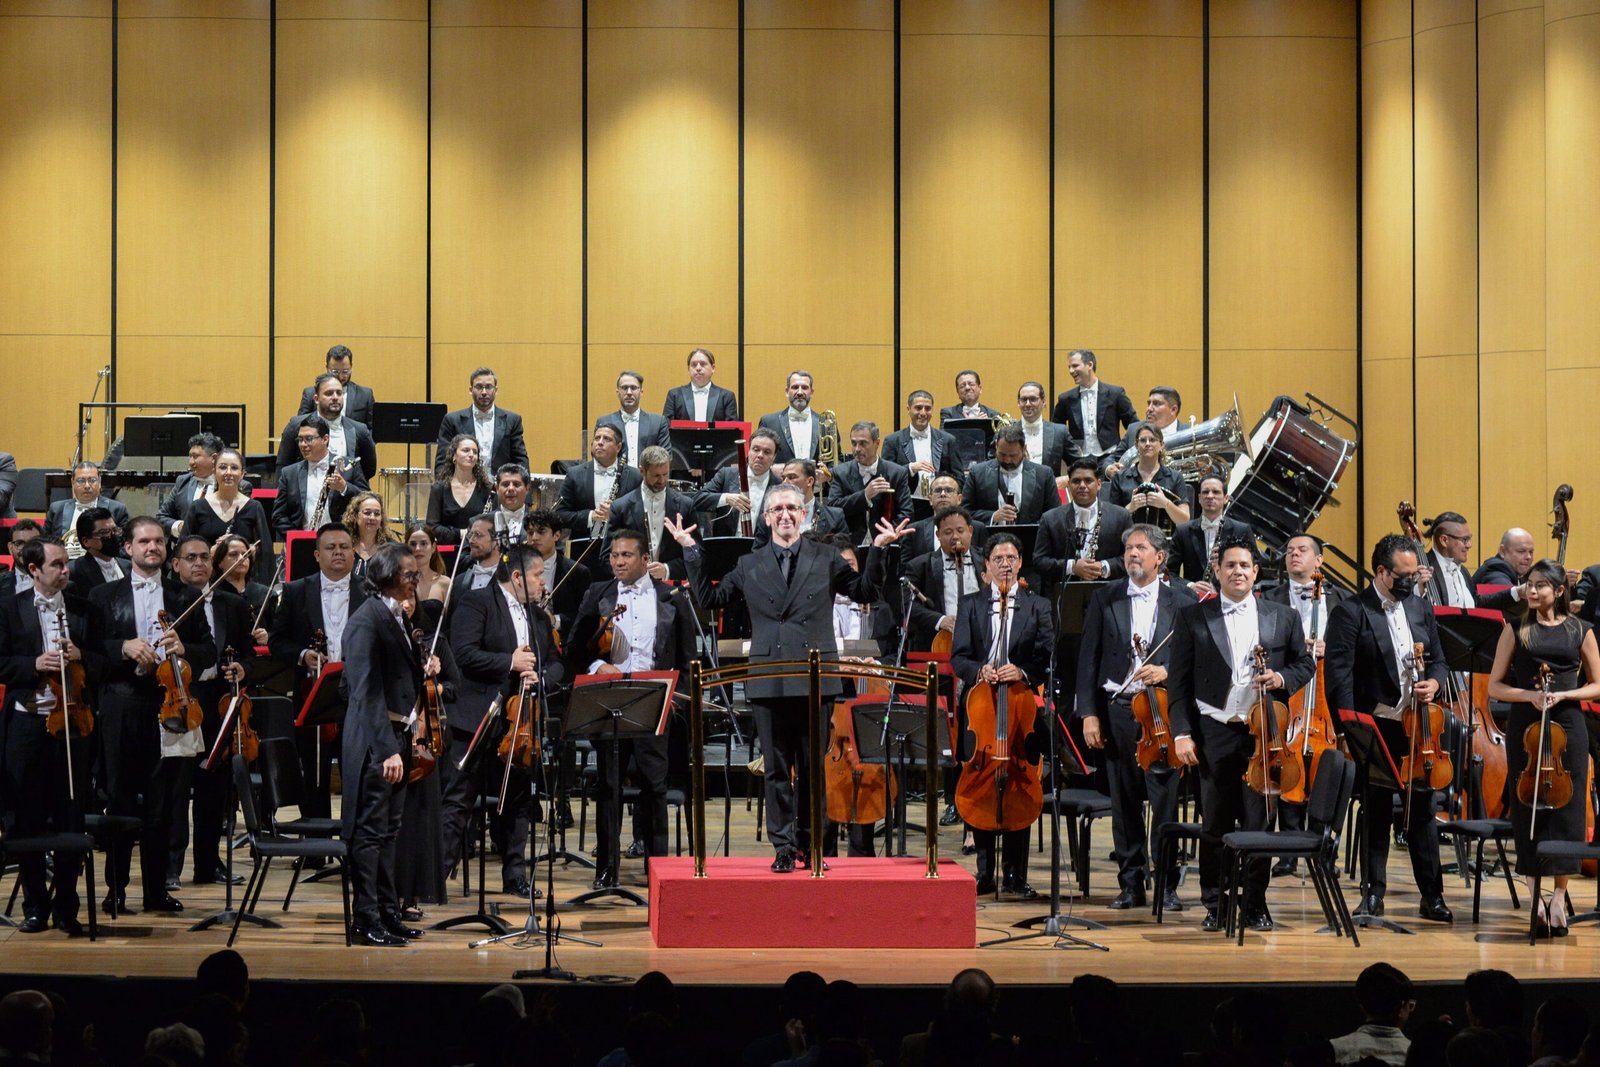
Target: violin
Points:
(1427, 761)
(1155, 723)
(1276, 767)
(1310, 721)
(430, 718)
(519, 745)
(180, 711)
(245, 739)
(1000, 788)
(1545, 783)
(606, 635)
(854, 789)
(67, 687)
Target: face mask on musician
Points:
(1402, 585)
(110, 544)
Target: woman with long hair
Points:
(434, 578)
(223, 555)
(461, 490)
(1151, 490)
(368, 526)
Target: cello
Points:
(855, 790)
(1310, 723)
(1000, 788)
(1275, 766)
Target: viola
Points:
(180, 711)
(430, 739)
(1000, 787)
(854, 789)
(1427, 761)
(245, 737)
(1310, 722)
(1155, 722)
(1275, 766)
(1545, 783)
(606, 635)
(67, 687)
(519, 745)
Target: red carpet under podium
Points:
(861, 903)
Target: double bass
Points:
(1311, 727)
(1000, 788)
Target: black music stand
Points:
(161, 437)
(476, 759)
(610, 707)
(974, 440)
(921, 508)
(1072, 605)
(883, 732)
(404, 423)
(699, 448)
(218, 757)
(1377, 767)
(1469, 636)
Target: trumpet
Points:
(829, 447)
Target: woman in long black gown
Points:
(227, 509)
(1547, 634)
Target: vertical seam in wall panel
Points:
(1477, 248)
(1205, 208)
(1361, 460)
(1413, 72)
(1050, 355)
(898, 409)
(741, 198)
(583, 332)
(427, 307)
(111, 382)
(272, 217)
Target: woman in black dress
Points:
(1547, 634)
(223, 554)
(1152, 491)
(226, 509)
(461, 492)
(369, 528)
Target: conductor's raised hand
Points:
(683, 534)
(889, 533)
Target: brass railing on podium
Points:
(814, 668)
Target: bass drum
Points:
(1297, 463)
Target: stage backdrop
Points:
(1382, 203)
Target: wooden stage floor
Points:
(310, 945)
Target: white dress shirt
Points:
(1300, 597)
(480, 575)
(630, 432)
(335, 613)
(921, 452)
(74, 549)
(110, 568)
(604, 479)
(1394, 613)
(1089, 411)
(1142, 604)
(800, 427)
(1033, 438)
(1243, 626)
(316, 477)
(338, 440)
(1011, 482)
(848, 619)
(960, 578)
(519, 617)
(44, 701)
(655, 510)
(1458, 591)
(25, 580)
(758, 491)
(147, 606)
(996, 653)
(510, 522)
(633, 630)
(210, 673)
(702, 402)
(1209, 528)
(483, 430)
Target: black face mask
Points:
(110, 544)
(1401, 587)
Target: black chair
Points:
(1082, 807)
(1561, 850)
(266, 846)
(1165, 848)
(12, 846)
(1318, 843)
(1460, 831)
(283, 786)
(111, 833)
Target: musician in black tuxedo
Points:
(788, 588)
(1027, 659)
(322, 601)
(1211, 684)
(1046, 441)
(543, 533)
(820, 519)
(701, 400)
(62, 517)
(347, 438)
(502, 643)
(797, 429)
(1508, 565)
(727, 502)
(921, 447)
(498, 431)
(591, 488)
(102, 561)
(860, 484)
(1444, 575)
(383, 674)
(1161, 410)
(943, 577)
(33, 770)
(357, 398)
(638, 429)
(1084, 539)
(1193, 541)
(651, 631)
(643, 509)
(1030, 488)
(300, 485)
(1108, 681)
(16, 579)
(969, 387)
(1368, 638)
(1094, 412)
(203, 450)
(944, 492)
(123, 649)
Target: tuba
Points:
(1204, 447)
(828, 445)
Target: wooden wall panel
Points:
(1283, 212)
(55, 217)
(507, 212)
(663, 192)
(193, 201)
(351, 202)
(1129, 193)
(819, 206)
(974, 188)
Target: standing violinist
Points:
(499, 638)
(1302, 561)
(1212, 686)
(650, 630)
(33, 776)
(978, 659)
(1370, 640)
(1547, 634)
(1110, 678)
(145, 764)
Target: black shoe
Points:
(1285, 867)
(314, 863)
(564, 817)
(605, 879)
(114, 905)
(783, 862)
(1127, 899)
(69, 925)
(517, 887)
(173, 884)
(985, 886)
(1210, 923)
(32, 924)
(1371, 905)
(394, 926)
(802, 860)
(411, 914)
(1258, 919)
(374, 936)
(1019, 888)
(1434, 909)
(635, 851)
(950, 817)
(217, 878)
(969, 849)
(167, 904)
(1170, 901)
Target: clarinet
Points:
(1089, 548)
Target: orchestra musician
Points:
(1211, 684)
(315, 490)
(1094, 412)
(1508, 565)
(16, 579)
(226, 507)
(369, 528)
(1444, 575)
(461, 492)
(358, 398)
(651, 631)
(1194, 542)
(497, 431)
(859, 484)
(203, 449)
(1010, 488)
(643, 510)
(33, 774)
(1369, 645)
(820, 519)
(1109, 678)
(921, 447)
(1085, 539)
(1161, 410)
(347, 438)
(223, 553)
(483, 558)
(61, 520)
(384, 673)
(788, 589)
(701, 400)
(1547, 634)
(591, 487)
(1026, 659)
(944, 492)
(1046, 441)
(146, 766)
(543, 533)
(722, 494)
(796, 429)
(1167, 503)
(510, 502)
(102, 561)
(969, 388)
(639, 429)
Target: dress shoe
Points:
(373, 935)
(167, 903)
(392, 924)
(802, 860)
(1434, 909)
(950, 817)
(314, 863)
(411, 914)
(1015, 883)
(69, 925)
(217, 878)
(1128, 898)
(783, 862)
(1285, 867)
(968, 848)
(635, 851)
(605, 879)
(32, 924)
(1258, 919)
(985, 887)
(1170, 901)
(1210, 923)
(517, 887)
(1370, 905)
(116, 905)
